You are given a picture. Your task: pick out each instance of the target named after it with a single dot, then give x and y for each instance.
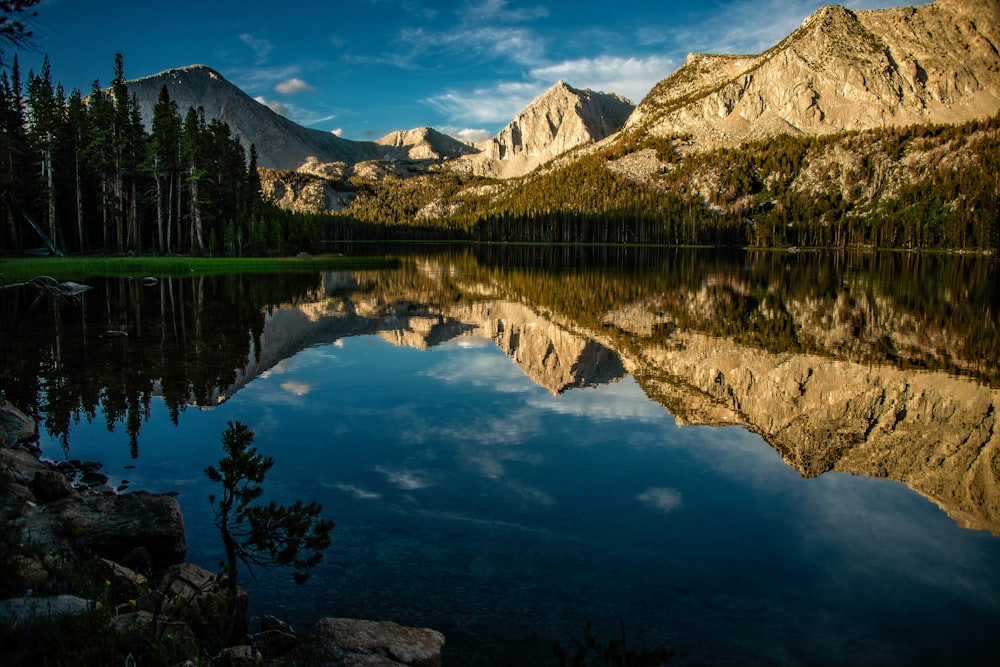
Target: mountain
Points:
(841, 70)
(558, 120)
(425, 143)
(281, 143)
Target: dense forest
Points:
(81, 175)
(927, 186)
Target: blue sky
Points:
(361, 68)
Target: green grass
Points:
(14, 270)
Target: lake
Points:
(750, 458)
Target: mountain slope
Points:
(840, 71)
(425, 143)
(556, 121)
(281, 143)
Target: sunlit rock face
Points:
(841, 70)
(558, 120)
(933, 432)
(547, 353)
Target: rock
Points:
(112, 526)
(139, 560)
(93, 478)
(50, 485)
(237, 656)
(125, 583)
(16, 611)
(200, 599)
(268, 622)
(345, 641)
(840, 71)
(558, 120)
(273, 643)
(22, 572)
(15, 426)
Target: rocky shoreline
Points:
(136, 540)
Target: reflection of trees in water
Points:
(116, 346)
(936, 312)
(189, 339)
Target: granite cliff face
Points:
(841, 70)
(558, 120)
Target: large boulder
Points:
(112, 526)
(348, 642)
(15, 426)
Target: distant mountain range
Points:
(841, 70)
(557, 120)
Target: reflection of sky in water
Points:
(470, 499)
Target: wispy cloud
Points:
(358, 492)
(261, 47)
(293, 86)
(498, 10)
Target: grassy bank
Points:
(13, 270)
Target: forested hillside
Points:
(927, 186)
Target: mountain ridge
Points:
(841, 70)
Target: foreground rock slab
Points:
(347, 642)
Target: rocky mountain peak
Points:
(280, 142)
(558, 120)
(425, 143)
(841, 70)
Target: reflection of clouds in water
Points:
(851, 522)
(296, 388)
(408, 480)
(532, 494)
(661, 498)
(736, 453)
(357, 492)
(468, 342)
(487, 369)
(622, 400)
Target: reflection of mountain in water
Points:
(812, 355)
(933, 431)
(547, 353)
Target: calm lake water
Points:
(762, 459)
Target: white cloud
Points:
(294, 85)
(337, 132)
(469, 135)
(487, 105)
(619, 401)
(663, 499)
(274, 105)
(632, 77)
